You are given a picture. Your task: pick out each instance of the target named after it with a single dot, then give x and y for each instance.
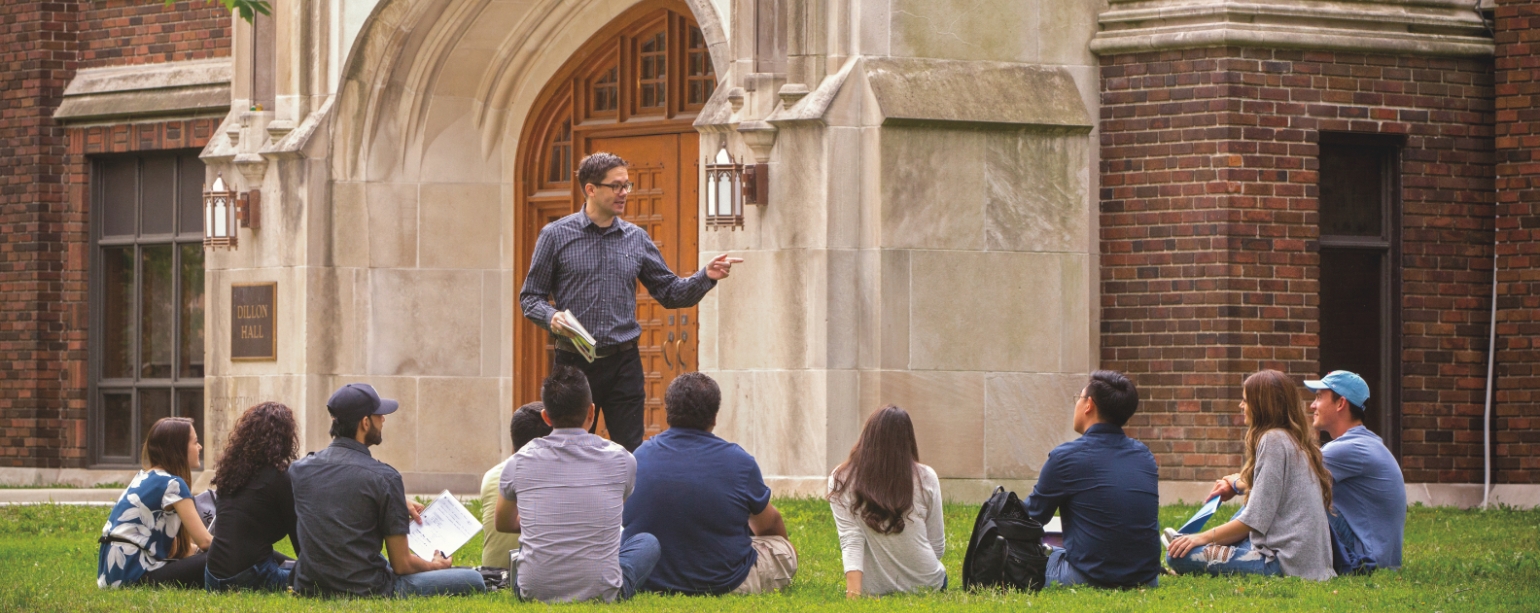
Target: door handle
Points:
(679, 349)
(664, 350)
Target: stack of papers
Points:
(583, 341)
(446, 526)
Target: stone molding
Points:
(187, 89)
(1446, 28)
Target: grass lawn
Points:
(1455, 561)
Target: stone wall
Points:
(1516, 426)
(1208, 228)
(44, 245)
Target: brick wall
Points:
(1517, 421)
(36, 62)
(43, 240)
(119, 32)
(1208, 227)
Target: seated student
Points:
(255, 507)
(153, 533)
(347, 504)
(1105, 487)
(563, 493)
(887, 507)
(1368, 491)
(705, 501)
(1283, 529)
(495, 546)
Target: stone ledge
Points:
(193, 88)
(912, 91)
(1445, 28)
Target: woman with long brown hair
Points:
(887, 507)
(256, 502)
(1283, 529)
(154, 532)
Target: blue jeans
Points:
(638, 554)
(1237, 559)
(446, 582)
(1061, 573)
(267, 575)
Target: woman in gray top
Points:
(1283, 529)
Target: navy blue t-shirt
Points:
(695, 492)
(1106, 489)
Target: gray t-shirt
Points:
(571, 488)
(1285, 510)
(345, 504)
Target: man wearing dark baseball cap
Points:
(347, 504)
(1368, 490)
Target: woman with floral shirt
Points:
(154, 534)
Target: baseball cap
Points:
(356, 401)
(1347, 385)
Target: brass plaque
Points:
(253, 321)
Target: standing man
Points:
(1368, 490)
(589, 263)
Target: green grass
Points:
(1455, 561)
(64, 486)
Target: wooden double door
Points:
(633, 90)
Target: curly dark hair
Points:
(265, 435)
(692, 401)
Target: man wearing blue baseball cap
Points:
(1368, 490)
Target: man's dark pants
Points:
(619, 391)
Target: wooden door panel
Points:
(659, 206)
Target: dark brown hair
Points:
(1273, 402)
(879, 476)
(265, 435)
(593, 168)
(165, 447)
(527, 425)
(566, 397)
(692, 401)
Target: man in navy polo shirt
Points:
(706, 502)
(1105, 487)
(1368, 490)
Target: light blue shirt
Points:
(1369, 492)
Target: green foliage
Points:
(1456, 560)
(247, 9)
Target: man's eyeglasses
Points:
(619, 187)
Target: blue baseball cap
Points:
(356, 401)
(1347, 385)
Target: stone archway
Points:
(420, 281)
(635, 89)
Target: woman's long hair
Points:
(165, 447)
(265, 435)
(1273, 401)
(880, 472)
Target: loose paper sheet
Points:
(446, 526)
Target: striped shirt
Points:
(570, 487)
(593, 271)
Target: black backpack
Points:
(1006, 548)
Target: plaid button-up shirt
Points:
(593, 271)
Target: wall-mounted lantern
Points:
(730, 185)
(724, 191)
(219, 220)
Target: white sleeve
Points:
(935, 519)
(852, 538)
